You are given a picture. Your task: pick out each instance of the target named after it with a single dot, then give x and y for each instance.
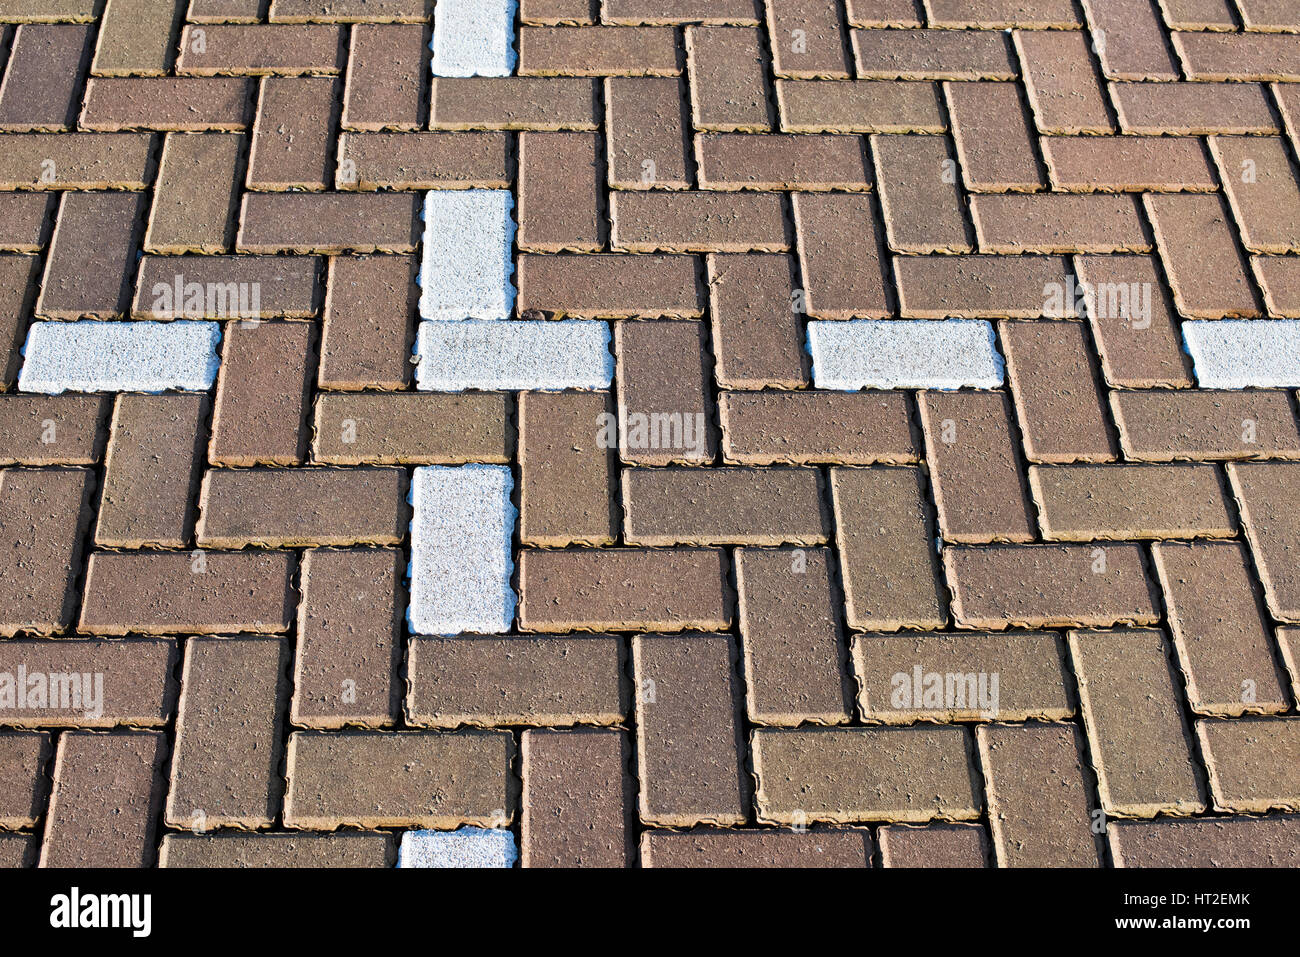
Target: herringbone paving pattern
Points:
(795, 573)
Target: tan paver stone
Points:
(577, 799)
(1267, 497)
(597, 51)
(859, 106)
(1201, 425)
(722, 848)
(567, 467)
(933, 846)
(401, 428)
(816, 428)
(74, 161)
(270, 849)
(1139, 742)
(1254, 763)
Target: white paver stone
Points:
(468, 259)
(467, 847)
(904, 354)
(1239, 353)
(474, 37)
(107, 356)
(533, 355)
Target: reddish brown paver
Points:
(727, 573)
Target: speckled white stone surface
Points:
(468, 259)
(904, 354)
(108, 356)
(467, 847)
(1239, 353)
(461, 529)
(538, 354)
(474, 37)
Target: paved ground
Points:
(911, 478)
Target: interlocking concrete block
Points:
(474, 38)
(461, 530)
(469, 239)
(94, 356)
(533, 355)
(467, 847)
(1238, 353)
(922, 354)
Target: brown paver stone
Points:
(1060, 78)
(43, 78)
(1212, 842)
(265, 849)
(514, 103)
(193, 208)
(646, 222)
(923, 208)
(843, 277)
(859, 106)
(1209, 276)
(722, 848)
(261, 50)
(386, 72)
(259, 414)
(402, 428)
(269, 286)
(66, 161)
(976, 287)
(1056, 223)
(731, 161)
(806, 39)
(52, 429)
(1260, 181)
(597, 287)
(559, 193)
(439, 160)
(1139, 742)
(1002, 14)
(816, 428)
(1279, 277)
(1164, 426)
(553, 12)
(179, 104)
(757, 334)
(329, 223)
(368, 330)
(690, 751)
(23, 783)
(136, 37)
(932, 55)
(577, 799)
(1132, 39)
(645, 133)
(728, 78)
(663, 401)
(1192, 109)
(679, 11)
(1127, 164)
(294, 133)
(489, 682)
(933, 846)
(92, 255)
(568, 471)
(994, 138)
(1254, 763)
(24, 218)
(1244, 56)
(1267, 497)
(597, 51)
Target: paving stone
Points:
(731, 161)
(151, 470)
(1237, 354)
(1133, 322)
(1164, 426)
(294, 133)
(815, 428)
(1252, 762)
(23, 758)
(1267, 15)
(1054, 380)
(923, 209)
(729, 848)
(513, 356)
(1185, 109)
(474, 38)
(885, 536)
(842, 279)
(882, 13)
(269, 849)
(859, 106)
(1133, 40)
(907, 678)
(979, 486)
(474, 847)
(43, 77)
(552, 12)
(844, 775)
(1220, 632)
(489, 682)
(1044, 586)
(468, 236)
(1061, 81)
(645, 133)
(993, 136)
(756, 343)
(597, 51)
(262, 394)
(937, 287)
(433, 779)
(169, 593)
(889, 354)
(1083, 503)
(368, 332)
(225, 771)
(349, 11)
(1288, 640)
(416, 160)
(261, 50)
(1056, 223)
(223, 11)
(567, 464)
(932, 55)
(697, 222)
(87, 684)
(679, 11)
(643, 286)
(42, 516)
(328, 223)
(38, 11)
(728, 84)
(723, 506)
(104, 803)
(1266, 497)
(18, 278)
(515, 103)
(623, 589)
(386, 75)
(1127, 164)
(1256, 56)
(248, 287)
(410, 429)
(461, 530)
(25, 217)
(1002, 14)
(1208, 842)
(806, 39)
(176, 104)
(690, 751)
(193, 203)
(53, 430)
(933, 846)
(1260, 181)
(1041, 809)
(1137, 737)
(1279, 278)
(1197, 14)
(560, 186)
(663, 403)
(91, 256)
(793, 650)
(348, 651)
(76, 161)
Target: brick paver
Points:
(750, 579)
